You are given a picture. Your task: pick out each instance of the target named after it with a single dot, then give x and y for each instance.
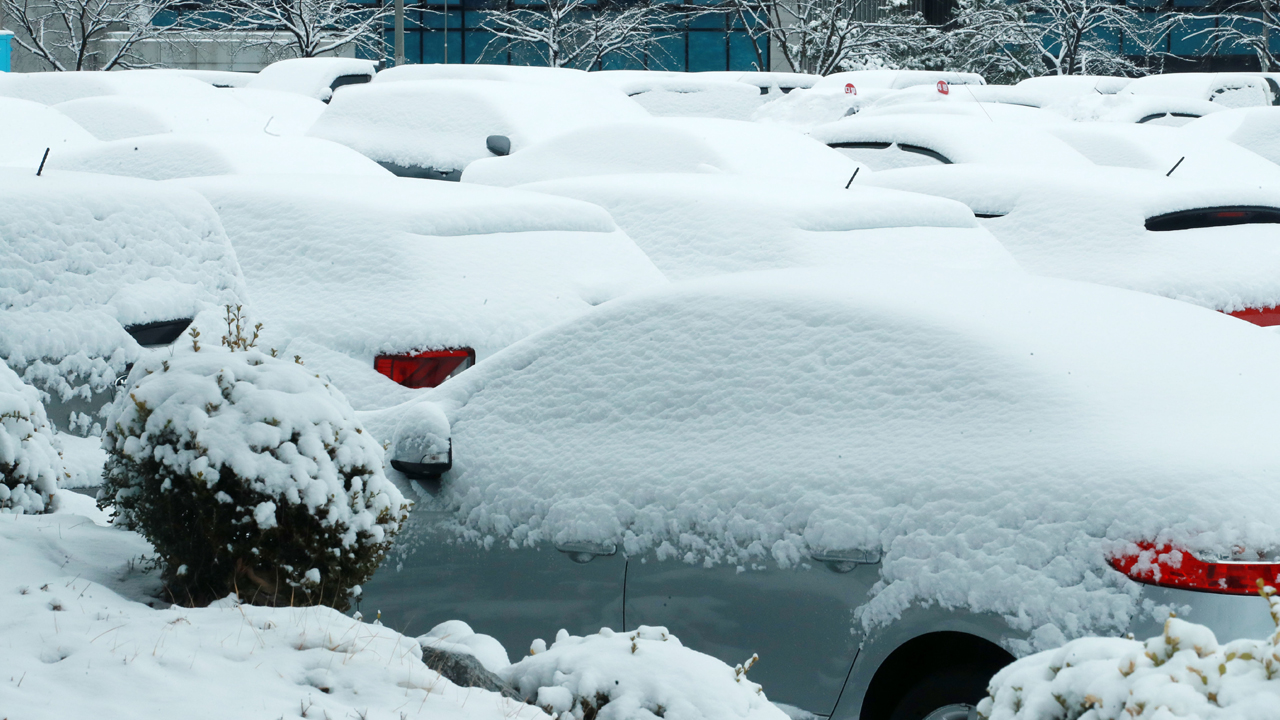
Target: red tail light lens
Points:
(1166, 566)
(425, 369)
(1266, 317)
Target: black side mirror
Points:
(499, 145)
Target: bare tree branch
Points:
(86, 34)
(580, 33)
(296, 28)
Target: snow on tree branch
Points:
(70, 34)
(297, 28)
(579, 33)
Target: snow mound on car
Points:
(1255, 129)
(994, 435)
(51, 88)
(29, 128)
(311, 77)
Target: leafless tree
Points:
(579, 33)
(1061, 37)
(1248, 25)
(84, 34)
(296, 28)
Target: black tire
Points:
(950, 686)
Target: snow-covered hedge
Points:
(249, 474)
(1183, 673)
(30, 462)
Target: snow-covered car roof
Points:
(1230, 90)
(51, 88)
(963, 93)
(316, 77)
(670, 145)
(83, 256)
(445, 124)
(1019, 427)
(1255, 129)
(1118, 226)
(1128, 108)
(697, 225)
(1001, 112)
(681, 94)
(1066, 85)
(783, 81)
(897, 79)
(362, 266)
(216, 78)
(803, 109)
(946, 139)
(525, 74)
(181, 155)
(243, 111)
(29, 128)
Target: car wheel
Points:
(947, 694)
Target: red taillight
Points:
(1163, 565)
(1266, 317)
(425, 369)
(1232, 214)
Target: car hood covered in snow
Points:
(994, 434)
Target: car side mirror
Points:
(499, 145)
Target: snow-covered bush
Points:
(249, 474)
(1183, 673)
(636, 676)
(30, 461)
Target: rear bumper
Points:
(1230, 617)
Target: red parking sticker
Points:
(943, 87)
(849, 89)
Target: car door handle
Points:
(585, 552)
(843, 561)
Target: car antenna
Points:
(46, 157)
(1175, 166)
(855, 174)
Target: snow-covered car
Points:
(433, 129)
(238, 110)
(1068, 85)
(93, 269)
(680, 94)
(315, 77)
(770, 83)
(30, 128)
(524, 74)
(694, 225)
(181, 155)
(897, 79)
(885, 484)
(1229, 90)
(390, 284)
(775, 156)
(51, 88)
(908, 140)
(1214, 244)
(1169, 110)
(1254, 129)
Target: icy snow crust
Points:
(960, 139)
(697, 225)
(310, 77)
(28, 128)
(364, 266)
(777, 156)
(181, 155)
(31, 465)
(1090, 226)
(994, 434)
(444, 123)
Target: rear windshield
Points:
(1213, 217)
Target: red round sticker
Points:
(849, 89)
(943, 87)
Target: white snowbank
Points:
(444, 123)
(1183, 673)
(1089, 225)
(82, 644)
(774, 156)
(641, 674)
(51, 88)
(1255, 129)
(29, 128)
(697, 225)
(311, 77)
(457, 637)
(679, 94)
(365, 266)
(182, 155)
(31, 465)
(996, 435)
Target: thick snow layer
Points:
(1066, 85)
(81, 644)
(29, 128)
(897, 79)
(644, 673)
(182, 155)
(776, 156)
(83, 458)
(1255, 129)
(445, 123)
(678, 94)
(51, 88)
(991, 112)
(112, 117)
(31, 464)
(694, 225)
(286, 113)
(458, 637)
(1127, 108)
(216, 78)
(959, 139)
(778, 83)
(1184, 673)
(1089, 225)
(803, 109)
(364, 266)
(1230, 90)
(994, 434)
(523, 74)
(82, 256)
(311, 77)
